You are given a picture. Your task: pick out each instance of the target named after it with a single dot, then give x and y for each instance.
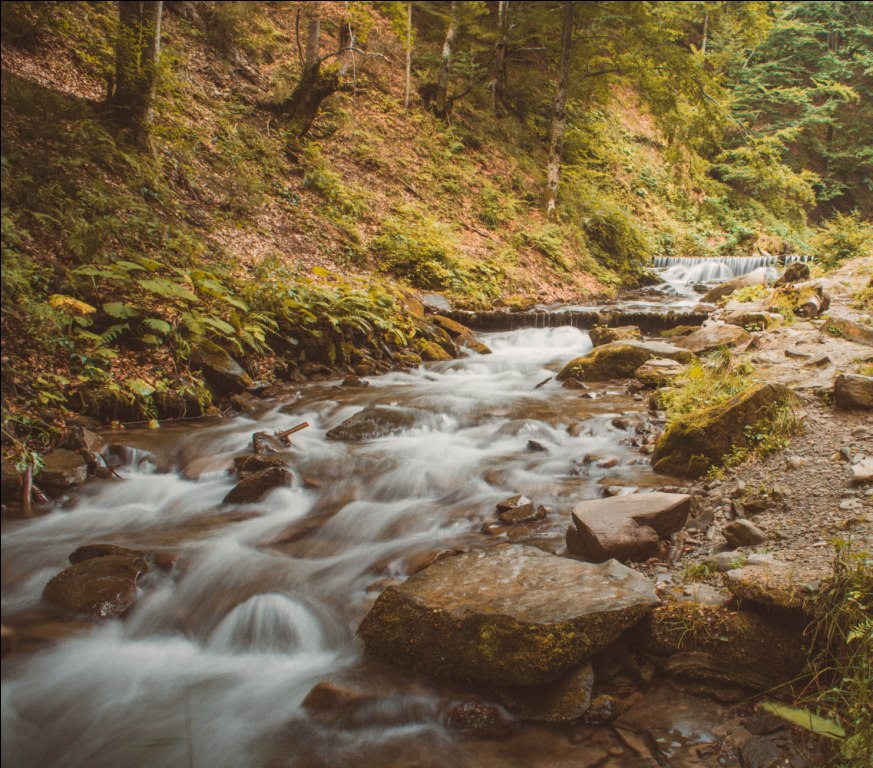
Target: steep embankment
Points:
(118, 263)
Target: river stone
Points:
(600, 334)
(99, 587)
(63, 469)
(516, 509)
(472, 342)
(625, 527)
(847, 329)
(507, 615)
(794, 272)
(758, 277)
(773, 584)
(249, 463)
(220, 370)
(451, 327)
(723, 645)
(693, 443)
(433, 352)
(658, 371)
(563, 701)
(742, 533)
(853, 392)
(620, 360)
(256, 486)
(712, 337)
(373, 422)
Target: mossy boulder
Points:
(786, 586)
(508, 615)
(693, 443)
(719, 644)
(472, 342)
(600, 334)
(451, 327)
(620, 360)
(729, 286)
(433, 352)
(220, 370)
(63, 468)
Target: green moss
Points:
(615, 360)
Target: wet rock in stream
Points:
(507, 615)
(373, 422)
(99, 587)
(254, 487)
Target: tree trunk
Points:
(705, 33)
(136, 63)
(346, 41)
(314, 85)
(498, 68)
(559, 113)
(313, 36)
(833, 47)
(441, 95)
(408, 56)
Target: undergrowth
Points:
(841, 664)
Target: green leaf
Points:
(139, 387)
(120, 310)
(148, 338)
(158, 326)
(806, 719)
(167, 289)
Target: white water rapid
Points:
(211, 665)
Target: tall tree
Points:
(137, 51)
(559, 112)
(498, 65)
(441, 94)
(408, 41)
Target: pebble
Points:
(795, 462)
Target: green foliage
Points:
(496, 208)
(710, 380)
(841, 662)
(417, 248)
(845, 236)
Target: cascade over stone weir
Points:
(738, 265)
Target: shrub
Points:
(845, 236)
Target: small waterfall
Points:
(707, 269)
(269, 623)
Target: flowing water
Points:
(211, 665)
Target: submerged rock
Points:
(692, 444)
(220, 370)
(508, 615)
(373, 422)
(619, 360)
(99, 586)
(625, 527)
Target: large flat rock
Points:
(508, 615)
(712, 337)
(620, 360)
(774, 584)
(625, 527)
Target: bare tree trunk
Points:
(498, 68)
(705, 33)
(136, 63)
(346, 41)
(833, 47)
(313, 36)
(408, 55)
(441, 95)
(559, 113)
